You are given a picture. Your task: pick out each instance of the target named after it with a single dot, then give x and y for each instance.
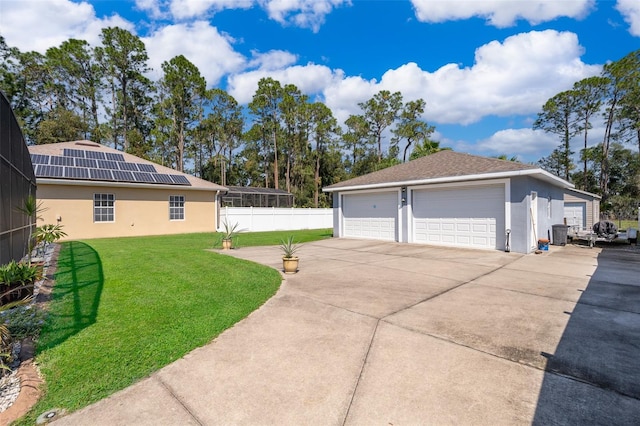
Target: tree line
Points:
(281, 139)
(610, 165)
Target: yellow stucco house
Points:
(95, 191)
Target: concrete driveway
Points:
(373, 333)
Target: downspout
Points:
(217, 211)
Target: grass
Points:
(124, 307)
(273, 238)
(626, 224)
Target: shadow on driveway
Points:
(594, 375)
(79, 276)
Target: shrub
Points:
(17, 279)
(23, 321)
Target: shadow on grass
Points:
(76, 294)
(594, 375)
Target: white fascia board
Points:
(544, 175)
(71, 182)
(590, 194)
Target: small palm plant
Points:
(32, 208)
(229, 232)
(289, 259)
(46, 235)
(289, 247)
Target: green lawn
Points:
(125, 307)
(626, 224)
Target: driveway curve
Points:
(370, 332)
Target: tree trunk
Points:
(406, 148)
(275, 157)
(316, 181)
(125, 118)
(604, 167)
(584, 177)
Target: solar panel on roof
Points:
(146, 168)
(43, 170)
(127, 166)
(56, 160)
(162, 178)
(39, 159)
(114, 157)
(76, 172)
(180, 180)
(86, 162)
(94, 154)
(143, 177)
(100, 174)
(107, 164)
(68, 152)
(122, 176)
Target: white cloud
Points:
(272, 60)
(630, 10)
(310, 79)
(185, 9)
(525, 142)
(301, 13)
(513, 77)
(39, 25)
(529, 145)
(209, 50)
(154, 8)
(500, 13)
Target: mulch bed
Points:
(30, 379)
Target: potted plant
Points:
(227, 236)
(289, 260)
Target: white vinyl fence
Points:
(259, 219)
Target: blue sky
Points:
(484, 68)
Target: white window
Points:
(103, 207)
(176, 207)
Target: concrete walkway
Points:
(372, 333)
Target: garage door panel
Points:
(371, 215)
(465, 216)
(433, 227)
(463, 227)
(576, 214)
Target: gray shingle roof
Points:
(443, 164)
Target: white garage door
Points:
(370, 215)
(576, 214)
(462, 217)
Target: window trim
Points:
(113, 206)
(177, 208)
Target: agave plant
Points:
(289, 247)
(229, 230)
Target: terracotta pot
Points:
(226, 244)
(290, 265)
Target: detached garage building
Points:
(581, 208)
(95, 191)
(452, 199)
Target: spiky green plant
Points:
(289, 247)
